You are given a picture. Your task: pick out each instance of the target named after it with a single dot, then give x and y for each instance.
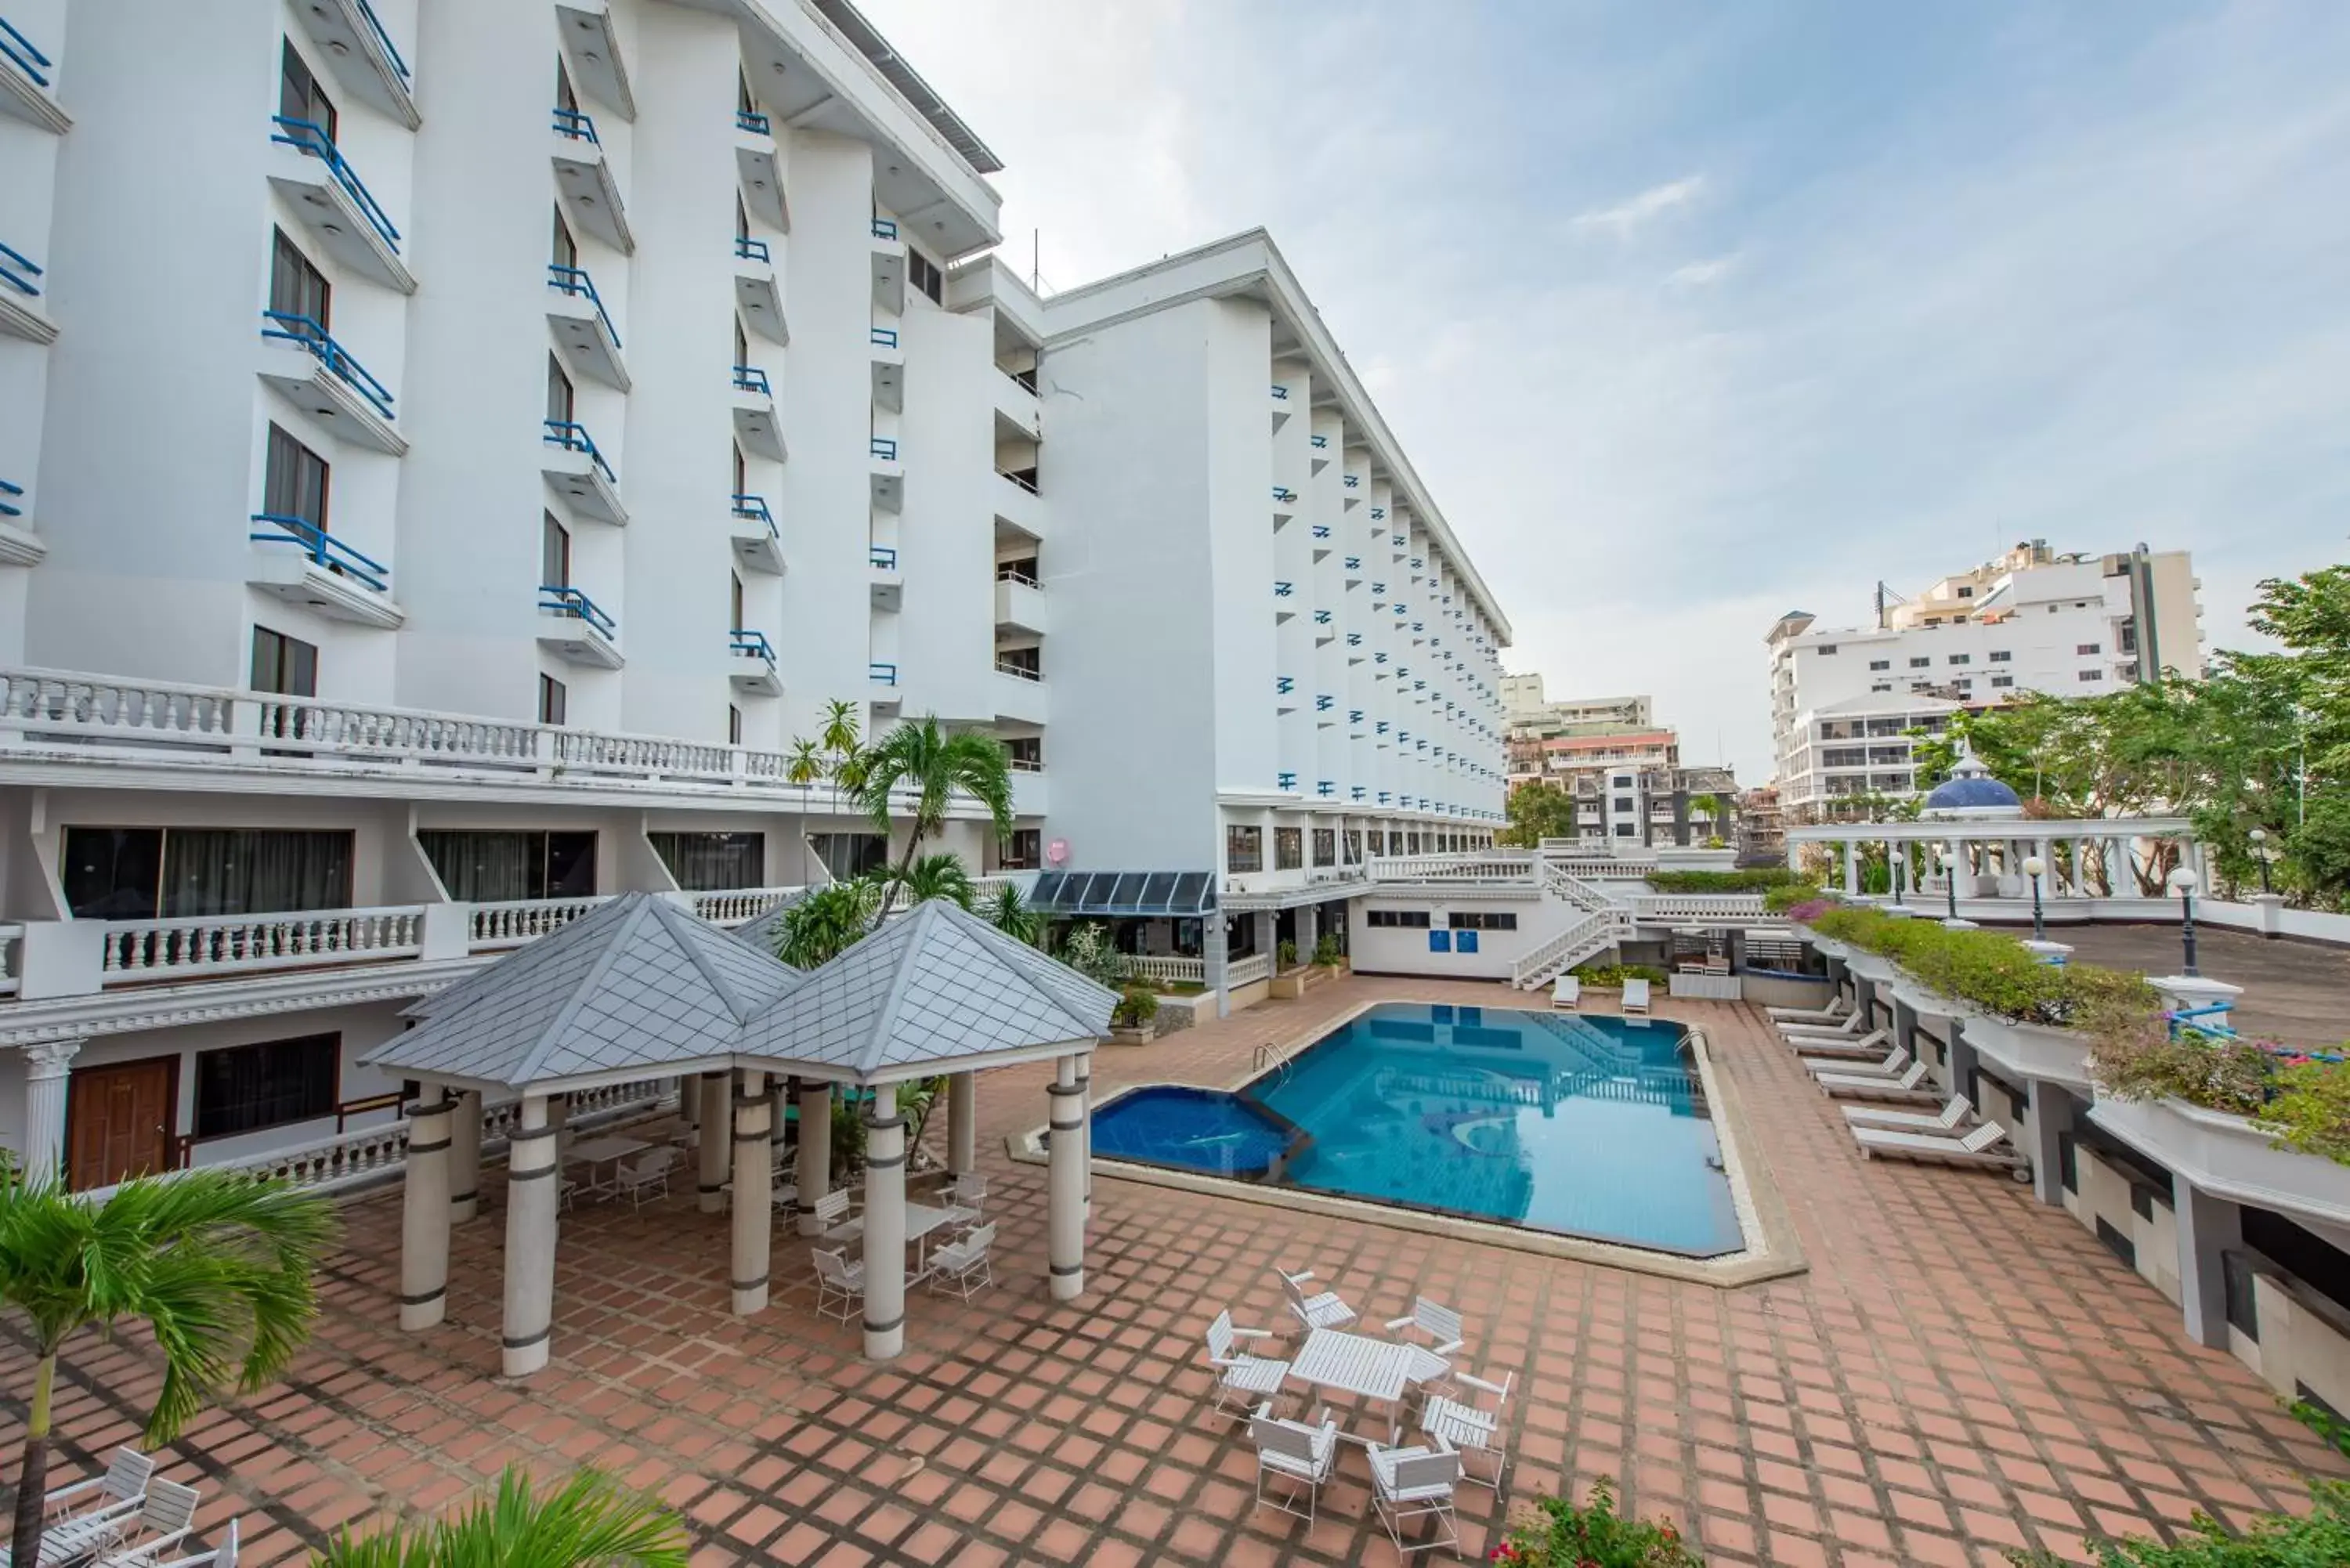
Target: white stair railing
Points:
(1594, 932)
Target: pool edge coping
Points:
(1775, 1256)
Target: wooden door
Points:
(119, 1121)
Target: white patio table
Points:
(611, 1148)
(1357, 1363)
(921, 1221)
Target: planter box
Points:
(2227, 1155)
(1933, 1003)
(1141, 1035)
(1869, 966)
(1825, 947)
(1180, 1012)
(2027, 1051)
(1299, 980)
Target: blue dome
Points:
(1972, 794)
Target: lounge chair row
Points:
(1845, 1062)
(127, 1517)
(1567, 993)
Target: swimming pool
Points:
(1591, 1127)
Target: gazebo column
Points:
(558, 1116)
(781, 1092)
(424, 1213)
(754, 1171)
(533, 1184)
(962, 1123)
(885, 1226)
(814, 1174)
(1065, 1219)
(1085, 1127)
(465, 1157)
(710, 1148)
(1852, 869)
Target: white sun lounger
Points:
(1851, 1024)
(1895, 1063)
(1567, 993)
(1635, 996)
(1946, 1120)
(1832, 1014)
(1979, 1147)
(1912, 1087)
(1868, 1045)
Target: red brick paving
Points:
(1959, 1372)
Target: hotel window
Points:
(553, 700)
(734, 600)
(154, 873)
(713, 862)
(293, 480)
(298, 288)
(283, 664)
(554, 552)
(2002, 656)
(1025, 753)
(741, 218)
(1244, 849)
(1325, 846)
(566, 249)
(1623, 830)
(1482, 920)
(1355, 847)
(565, 99)
(1288, 848)
(478, 867)
(270, 1084)
(1962, 659)
(923, 273)
(1623, 803)
(1389, 919)
(2089, 649)
(1922, 662)
(2002, 680)
(1827, 648)
(1966, 593)
(2092, 675)
(744, 102)
(1880, 664)
(559, 400)
(298, 96)
(1023, 851)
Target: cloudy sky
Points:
(1691, 314)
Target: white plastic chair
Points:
(1252, 1377)
(1635, 996)
(1567, 993)
(784, 1196)
(1432, 1363)
(1303, 1454)
(118, 1491)
(1321, 1310)
(221, 1556)
(1412, 1484)
(644, 1176)
(164, 1519)
(1470, 1428)
(966, 1197)
(839, 1283)
(962, 1265)
(833, 1218)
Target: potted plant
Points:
(1326, 953)
(1284, 956)
(1130, 1022)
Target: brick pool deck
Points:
(1958, 1373)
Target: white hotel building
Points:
(451, 449)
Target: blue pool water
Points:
(1581, 1125)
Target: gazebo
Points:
(642, 990)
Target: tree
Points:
(803, 764)
(1012, 915)
(844, 749)
(218, 1266)
(1087, 948)
(826, 923)
(941, 876)
(590, 1519)
(933, 764)
(1537, 811)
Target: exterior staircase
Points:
(1593, 934)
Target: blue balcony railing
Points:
(1353, 563)
(1416, 563)
(557, 598)
(1358, 793)
(1326, 787)
(575, 281)
(882, 674)
(752, 120)
(1353, 639)
(1321, 617)
(749, 249)
(1378, 514)
(1283, 494)
(1321, 530)
(1385, 797)
(1283, 590)
(751, 379)
(1283, 685)
(1319, 443)
(576, 124)
(1323, 703)
(1284, 780)
(19, 272)
(751, 645)
(1398, 540)
(1378, 588)
(9, 495)
(1354, 481)
(310, 137)
(1379, 658)
(883, 556)
(1353, 715)
(885, 229)
(572, 436)
(884, 336)
(884, 448)
(375, 25)
(754, 509)
(323, 549)
(16, 46)
(1280, 393)
(288, 328)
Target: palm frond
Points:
(590, 1519)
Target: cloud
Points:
(1699, 273)
(1628, 218)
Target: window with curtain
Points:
(496, 867)
(151, 873)
(847, 855)
(713, 862)
(245, 1088)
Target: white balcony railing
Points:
(1247, 971)
(734, 907)
(1166, 970)
(194, 947)
(1500, 866)
(492, 926)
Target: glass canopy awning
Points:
(1180, 895)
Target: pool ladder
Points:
(1270, 1055)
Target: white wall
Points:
(1405, 949)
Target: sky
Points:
(1693, 313)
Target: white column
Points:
(1852, 869)
(885, 1226)
(714, 1157)
(1066, 1217)
(532, 1184)
(754, 1171)
(465, 1157)
(2047, 1118)
(815, 1176)
(558, 1116)
(1085, 1127)
(424, 1213)
(48, 1067)
(962, 1123)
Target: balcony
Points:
(886, 583)
(1285, 607)
(592, 47)
(576, 314)
(1285, 504)
(760, 172)
(21, 314)
(1020, 606)
(576, 632)
(1029, 796)
(1020, 694)
(881, 683)
(756, 424)
(320, 376)
(1019, 416)
(27, 85)
(751, 664)
(756, 543)
(1280, 404)
(19, 545)
(757, 293)
(888, 252)
(591, 194)
(882, 344)
(576, 471)
(1018, 503)
(362, 55)
(889, 385)
(321, 188)
(320, 573)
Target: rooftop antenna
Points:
(1035, 261)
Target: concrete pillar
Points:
(1085, 1127)
(713, 1158)
(814, 1177)
(754, 1171)
(2208, 1225)
(885, 1226)
(424, 1214)
(781, 1092)
(48, 1068)
(558, 1116)
(2046, 1120)
(1905, 1027)
(533, 1184)
(1214, 960)
(1266, 926)
(1851, 868)
(1962, 1063)
(1065, 1146)
(465, 1157)
(1309, 931)
(689, 1101)
(962, 1123)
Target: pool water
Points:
(1590, 1127)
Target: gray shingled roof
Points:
(760, 931)
(639, 982)
(932, 988)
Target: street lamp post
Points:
(2183, 881)
(1950, 878)
(2035, 867)
(2260, 853)
(1899, 864)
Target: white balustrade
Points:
(735, 905)
(1165, 968)
(509, 925)
(347, 1159)
(1700, 908)
(1247, 971)
(1503, 866)
(198, 945)
(12, 947)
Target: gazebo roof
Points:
(935, 989)
(760, 931)
(638, 983)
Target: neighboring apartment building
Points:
(1623, 768)
(2031, 620)
(311, 651)
(1762, 829)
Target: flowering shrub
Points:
(1561, 1535)
(2303, 1100)
(2320, 1539)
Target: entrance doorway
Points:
(119, 1121)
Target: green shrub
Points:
(1781, 896)
(1285, 955)
(1561, 1535)
(1604, 974)
(2310, 1111)
(1088, 949)
(1325, 951)
(1752, 879)
(2274, 1541)
(1136, 1007)
(1992, 971)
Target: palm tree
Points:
(803, 764)
(1013, 916)
(217, 1264)
(826, 922)
(589, 1518)
(844, 748)
(940, 876)
(934, 764)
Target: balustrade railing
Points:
(322, 548)
(1165, 969)
(735, 905)
(509, 925)
(193, 946)
(1247, 971)
(307, 332)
